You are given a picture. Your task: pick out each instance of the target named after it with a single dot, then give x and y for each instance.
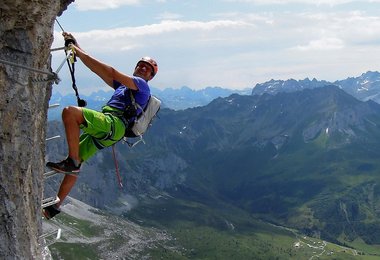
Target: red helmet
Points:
(152, 63)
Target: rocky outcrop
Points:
(26, 36)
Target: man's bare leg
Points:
(67, 184)
(72, 118)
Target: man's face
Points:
(143, 70)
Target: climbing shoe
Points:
(50, 211)
(65, 166)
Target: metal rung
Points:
(49, 174)
(50, 201)
(54, 105)
(57, 234)
(58, 48)
(53, 137)
(58, 231)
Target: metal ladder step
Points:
(50, 201)
(49, 174)
(52, 173)
(54, 105)
(58, 236)
(53, 137)
(49, 238)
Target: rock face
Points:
(25, 39)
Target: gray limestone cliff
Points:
(26, 35)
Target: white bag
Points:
(144, 120)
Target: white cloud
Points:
(135, 37)
(237, 48)
(85, 5)
(168, 16)
(322, 44)
(341, 28)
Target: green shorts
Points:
(100, 130)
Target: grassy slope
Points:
(193, 241)
(202, 232)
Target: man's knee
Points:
(67, 112)
(72, 113)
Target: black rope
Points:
(59, 25)
(71, 64)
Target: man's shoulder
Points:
(141, 84)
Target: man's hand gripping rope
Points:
(71, 59)
(69, 42)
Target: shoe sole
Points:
(75, 172)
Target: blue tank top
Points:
(121, 99)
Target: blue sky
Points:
(227, 43)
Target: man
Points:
(100, 129)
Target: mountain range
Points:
(365, 87)
(176, 99)
(298, 154)
(282, 156)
